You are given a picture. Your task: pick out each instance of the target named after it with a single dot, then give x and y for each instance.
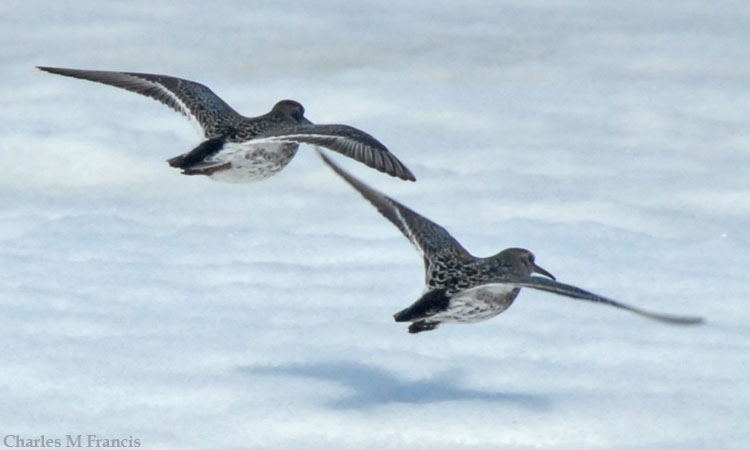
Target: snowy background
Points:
(610, 138)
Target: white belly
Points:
(478, 303)
(251, 162)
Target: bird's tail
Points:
(177, 161)
(195, 156)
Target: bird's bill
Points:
(304, 121)
(541, 271)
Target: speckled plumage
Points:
(244, 149)
(462, 288)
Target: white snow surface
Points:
(610, 138)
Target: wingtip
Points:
(673, 320)
(396, 168)
(54, 70)
(400, 171)
(406, 175)
(694, 321)
(387, 163)
(403, 174)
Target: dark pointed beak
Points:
(304, 121)
(539, 270)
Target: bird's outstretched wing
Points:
(567, 290)
(194, 100)
(430, 239)
(346, 140)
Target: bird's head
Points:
(522, 262)
(291, 112)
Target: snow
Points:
(609, 139)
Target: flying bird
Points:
(461, 288)
(239, 149)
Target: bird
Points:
(239, 149)
(462, 288)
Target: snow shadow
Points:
(373, 386)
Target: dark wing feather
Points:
(348, 141)
(429, 238)
(189, 98)
(567, 290)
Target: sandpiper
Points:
(241, 149)
(461, 288)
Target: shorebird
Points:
(461, 288)
(241, 149)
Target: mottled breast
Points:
(247, 162)
(478, 303)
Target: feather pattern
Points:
(221, 124)
(346, 140)
(462, 288)
(430, 239)
(193, 100)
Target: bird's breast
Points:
(479, 303)
(247, 161)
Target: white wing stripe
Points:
(407, 231)
(293, 137)
(184, 110)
